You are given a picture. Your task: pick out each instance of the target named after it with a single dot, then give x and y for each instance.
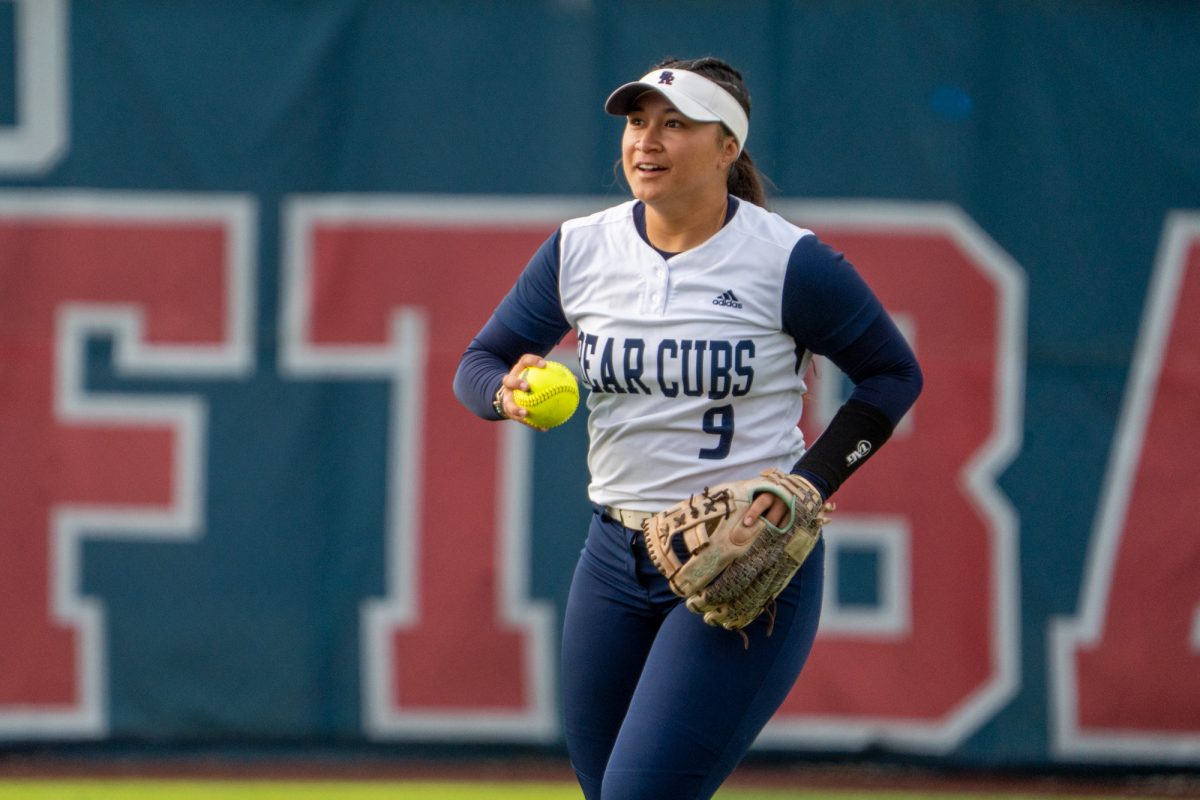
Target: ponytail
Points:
(746, 182)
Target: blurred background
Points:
(242, 245)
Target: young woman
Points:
(696, 312)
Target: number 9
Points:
(719, 421)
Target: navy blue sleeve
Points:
(882, 367)
(487, 359)
(826, 304)
(528, 320)
(830, 310)
(533, 308)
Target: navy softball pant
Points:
(657, 705)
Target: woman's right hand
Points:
(512, 381)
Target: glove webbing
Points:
(695, 537)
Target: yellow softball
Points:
(553, 395)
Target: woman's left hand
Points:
(776, 510)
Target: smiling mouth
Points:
(648, 168)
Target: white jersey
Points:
(693, 381)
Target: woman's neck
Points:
(676, 230)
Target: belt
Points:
(630, 519)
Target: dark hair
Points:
(745, 181)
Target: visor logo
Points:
(666, 77)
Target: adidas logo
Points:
(727, 298)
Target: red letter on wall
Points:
(940, 654)
(168, 278)
(1126, 671)
(395, 288)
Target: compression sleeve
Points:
(528, 320)
(830, 310)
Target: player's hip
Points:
(615, 556)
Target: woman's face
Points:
(670, 158)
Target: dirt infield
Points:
(761, 774)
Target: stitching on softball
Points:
(544, 394)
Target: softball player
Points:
(696, 312)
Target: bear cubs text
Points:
(689, 367)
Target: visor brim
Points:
(624, 100)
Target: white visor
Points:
(694, 95)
